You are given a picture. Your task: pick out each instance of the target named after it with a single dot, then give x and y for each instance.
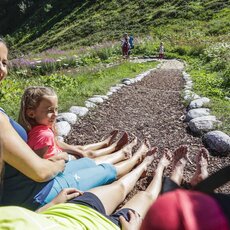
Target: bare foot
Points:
(201, 167)
(143, 150)
(122, 141)
(127, 150)
(111, 137)
(166, 158)
(149, 158)
(180, 156)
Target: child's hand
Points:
(60, 156)
(65, 195)
(78, 152)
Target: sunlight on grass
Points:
(71, 89)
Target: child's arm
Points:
(65, 195)
(60, 156)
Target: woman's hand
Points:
(133, 224)
(65, 195)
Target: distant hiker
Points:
(131, 42)
(125, 46)
(161, 50)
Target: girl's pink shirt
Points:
(42, 136)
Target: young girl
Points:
(38, 113)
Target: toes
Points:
(113, 134)
(123, 140)
(146, 143)
(152, 151)
(205, 153)
(168, 154)
(134, 141)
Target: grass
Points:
(71, 89)
(195, 31)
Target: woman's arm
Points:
(20, 156)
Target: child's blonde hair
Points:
(31, 99)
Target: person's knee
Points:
(122, 189)
(110, 172)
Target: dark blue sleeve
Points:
(19, 129)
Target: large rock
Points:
(104, 97)
(190, 96)
(217, 142)
(203, 124)
(193, 113)
(114, 89)
(189, 84)
(96, 100)
(63, 128)
(69, 117)
(79, 110)
(198, 103)
(186, 76)
(90, 104)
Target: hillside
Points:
(65, 24)
(194, 31)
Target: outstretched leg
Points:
(110, 149)
(143, 200)
(120, 155)
(126, 166)
(102, 144)
(201, 167)
(113, 194)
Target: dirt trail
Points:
(149, 109)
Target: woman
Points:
(31, 181)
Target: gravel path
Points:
(149, 109)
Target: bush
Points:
(226, 80)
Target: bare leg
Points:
(120, 155)
(126, 166)
(113, 194)
(110, 149)
(179, 162)
(104, 143)
(201, 167)
(142, 201)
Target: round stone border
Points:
(201, 122)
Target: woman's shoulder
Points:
(3, 115)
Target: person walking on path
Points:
(131, 42)
(125, 46)
(161, 50)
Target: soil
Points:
(151, 109)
